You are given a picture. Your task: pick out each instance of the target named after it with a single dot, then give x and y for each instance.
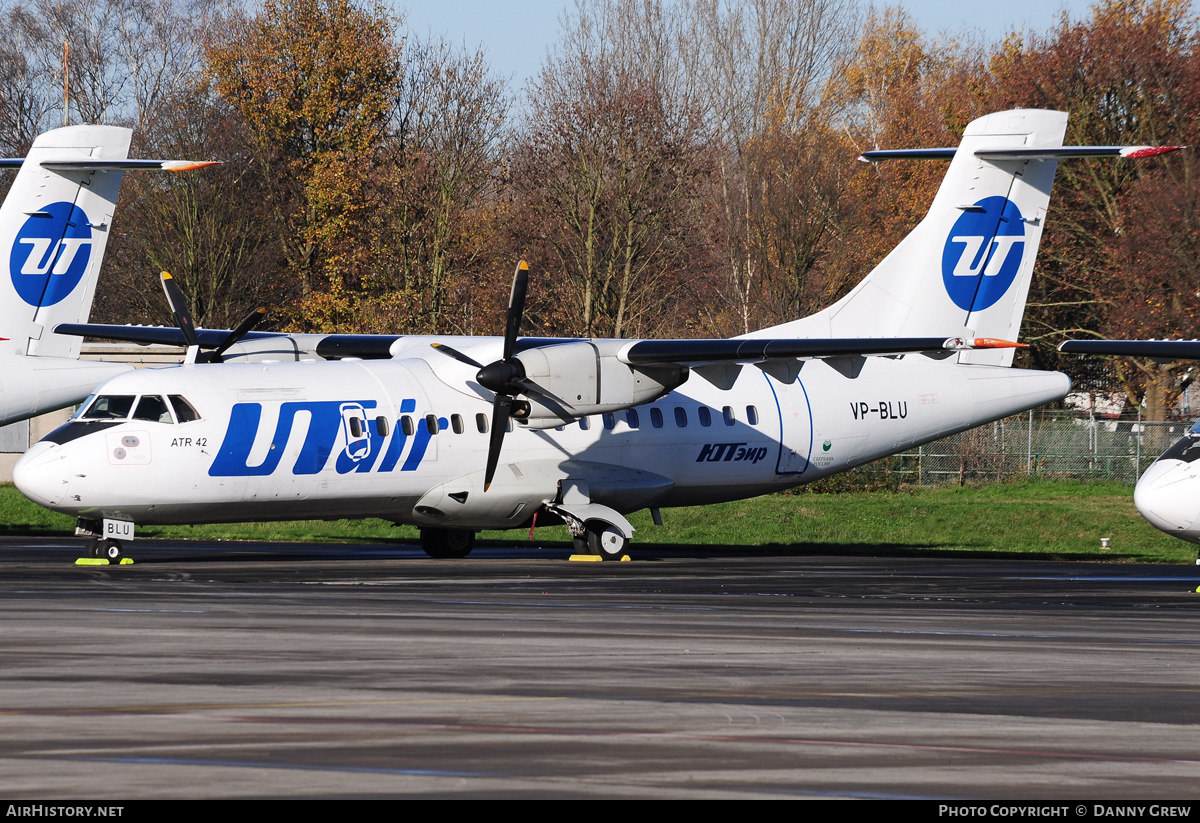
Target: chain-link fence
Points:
(1034, 444)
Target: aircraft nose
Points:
(43, 474)
(1168, 495)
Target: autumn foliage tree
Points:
(1127, 75)
(432, 233)
(314, 82)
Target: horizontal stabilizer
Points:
(1009, 153)
(112, 165)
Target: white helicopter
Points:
(54, 226)
(1168, 492)
(420, 430)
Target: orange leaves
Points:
(310, 77)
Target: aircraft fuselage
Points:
(394, 439)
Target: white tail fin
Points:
(54, 225)
(965, 269)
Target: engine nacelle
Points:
(589, 379)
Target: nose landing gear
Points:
(106, 549)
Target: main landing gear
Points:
(599, 539)
(447, 544)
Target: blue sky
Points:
(516, 34)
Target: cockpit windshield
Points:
(109, 407)
(149, 407)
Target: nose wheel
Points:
(106, 549)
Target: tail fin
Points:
(54, 226)
(965, 269)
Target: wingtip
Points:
(1138, 152)
(189, 165)
(166, 275)
(523, 266)
(996, 343)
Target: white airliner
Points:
(413, 429)
(1168, 492)
(54, 225)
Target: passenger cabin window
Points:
(152, 407)
(406, 426)
(356, 427)
(727, 413)
(609, 420)
(656, 419)
(584, 424)
(456, 423)
(631, 416)
(752, 415)
(184, 412)
(381, 426)
(431, 423)
(109, 407)
(481, 422)
(680, 417)
(705, 416)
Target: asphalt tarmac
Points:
(285, 671)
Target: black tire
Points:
(447, 544)
(93, 549)
(110, 550)
(606, 540)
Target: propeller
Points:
(183, 317)
(506, 376)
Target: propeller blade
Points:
(500, 414)
(456, 354)
(252, 320)
(180, 309)
(506, 376)
(516, 308)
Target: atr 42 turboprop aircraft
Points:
(1168, 492)
(54, 225)
(413, 429)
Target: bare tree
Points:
(611, 168)
(436, 184)
(760, 69)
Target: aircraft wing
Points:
(638, 352)
(753, 350)
(1160, 349)
(148, 335)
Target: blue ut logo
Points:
(983, 253)
(344, 431)
(50, 254)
